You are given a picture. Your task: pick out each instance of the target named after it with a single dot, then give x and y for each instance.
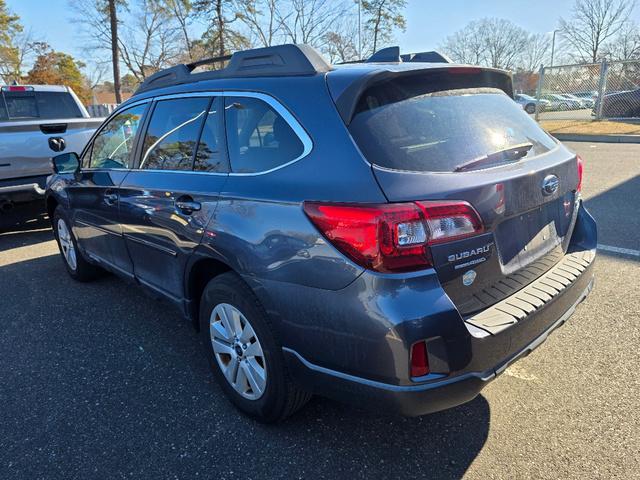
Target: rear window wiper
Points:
(510, 154)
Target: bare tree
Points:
(466, 45)
(494, 42)
(505, 42)
(626, 45)
(183, 13)
(221, 37)
(536, 47)
(113, 23)
(152, 41)
(382, 17)
(340, 45)
(98, 19)
(308, 21)
(263, 20)
(592, 24)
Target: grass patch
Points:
(602, 127)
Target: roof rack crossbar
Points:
(207, 61)
(285, 60)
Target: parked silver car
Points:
(529, 103)
(37, 122)
(558, 102)
(584, 101)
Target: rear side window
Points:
(112, 146)
(418, 125)
(172, 135)
(258, 137)
(44, 105)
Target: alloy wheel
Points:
(66, 244)
(238, 351)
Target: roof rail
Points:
(279, 60)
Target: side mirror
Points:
(66, 163)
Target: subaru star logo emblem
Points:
(469, 277)
(550, 185)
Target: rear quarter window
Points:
(410, 126)
(258, 138)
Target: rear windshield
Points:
(405, 125)
(34, 105)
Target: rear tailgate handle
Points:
(53, 128)
(57, 144)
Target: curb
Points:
(576, 137)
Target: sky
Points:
(428, 21)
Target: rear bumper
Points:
(23, 189)
(353, 344)
(436, 395)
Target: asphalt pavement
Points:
(99, 381)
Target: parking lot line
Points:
(624, 251)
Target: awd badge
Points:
(469, 277)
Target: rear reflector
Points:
(393, 237)
(419, 361)
(580, 165)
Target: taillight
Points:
(419, 360)
(393, 237)
(580, 165)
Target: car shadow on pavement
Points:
(616, 213)
(25, 224)
(101, 381)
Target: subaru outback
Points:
(392, 233)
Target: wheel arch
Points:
(199, 273)
(51, 204)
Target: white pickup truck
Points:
(36, 123)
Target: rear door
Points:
(429, 140)
(168, 199)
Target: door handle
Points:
(110, 198)
(187, 205)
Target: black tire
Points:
(83, 271)
(281, 398)
(530, 108)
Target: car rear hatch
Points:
(455, 134)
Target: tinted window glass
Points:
(397, 125)
(112, 147)
(46, 105)
(258, 137)
(209, 157)
(173, 132)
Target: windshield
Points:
(407, 129)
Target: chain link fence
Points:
(582, 93)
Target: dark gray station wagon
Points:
(392, 233)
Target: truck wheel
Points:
(77, 267)
(243, 352)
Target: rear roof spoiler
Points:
(346, 97)
(393, 55)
